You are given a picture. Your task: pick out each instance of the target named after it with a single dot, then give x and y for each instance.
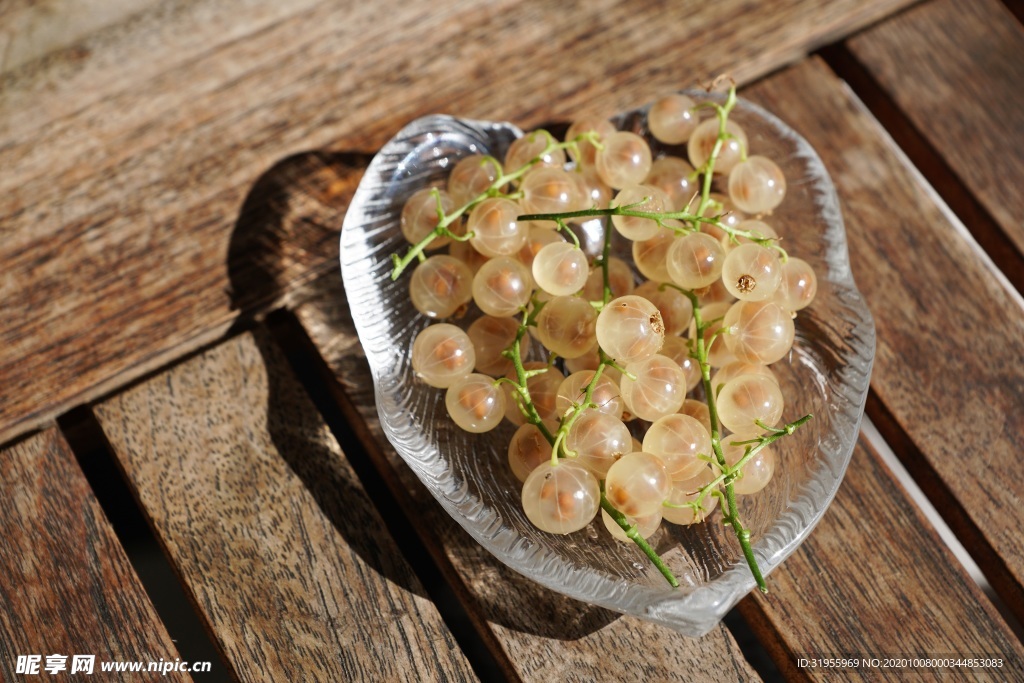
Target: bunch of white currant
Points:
(621, 343)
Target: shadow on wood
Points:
(499, 595)
(296, 206)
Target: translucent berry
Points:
(644, 198)
(798, 285)
(675, 178)
(630, 328)
(471, 177)
(494, 227)
(695, 260)
(440, 286)
(475, 403)
(688, 491)
(757, 472)
(759, 331)
(561, 498)
(752, 272)
(490, 337)
(587, 151)
(529, 448)
(703, 139)
(747, 399)
(419, 216)
(659, 388)
(531, 146)
(625, 160)
(637, 484)
(502, 287)
(549, 190)
(645, 526)
(599, 440)
(605, 396)
(566, 326)
(441, 354)
(560, 268)
(672, 119)
(757, 185)
(679, 440)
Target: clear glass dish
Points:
(826, 374)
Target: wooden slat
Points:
(67, 586)
(956, 69)
(822, 602)
(30, 30)
(538, 634)
(947, 370)
(269, 527)
(127, 156)
(874, 580)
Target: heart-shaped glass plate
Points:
(826, 374)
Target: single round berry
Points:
(419, 216)
(441, 354)
(625, 159)
(475, 403)
(561, 498)
(637, 484)
(702, 143)
(630, 328)
(747, 400)
(672, 119)
(502, 287)
(752, 272)
(440, 286)
(560, 268)
(757, 185)
(471, 177)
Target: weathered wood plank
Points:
(126, 156)
(270, 529)
(30, 29)
(955, 70)
(539, 634)
(947, 371)
(875, 581)
(67, 588)
(818, 611)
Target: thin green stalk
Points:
(445, 220)
(641, 542)
(689, 222)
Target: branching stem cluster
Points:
(682, 222)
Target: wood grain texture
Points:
(875, 580)
(947, 369)
(828, 601)
(67, 585)
(538, 634)
(955, 69)
(272, 533)
(128, 155)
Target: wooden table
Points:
(190, 459)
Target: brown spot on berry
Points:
(746, 283)
(657, 324)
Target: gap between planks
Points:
(174, 603)
(425, 557)
(982, 226)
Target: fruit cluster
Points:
(626, 353)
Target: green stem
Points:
(731, 512)
(494, 190)
(689, 222)
(722, 111)
(641, 542)
(513, 352)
